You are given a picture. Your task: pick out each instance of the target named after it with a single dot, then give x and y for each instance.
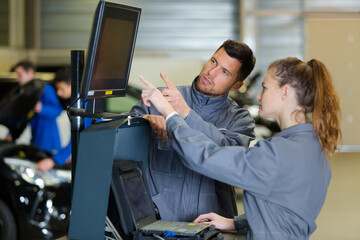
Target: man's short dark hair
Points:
(243, 53)
(63, 75)
(25, 64)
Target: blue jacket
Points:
(63, 154)
(44, 129)
(180, 193)
(285, 178)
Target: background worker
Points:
(44, 129)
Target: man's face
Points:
(63, 90)
(218, 75)
(23, 76)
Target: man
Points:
(62, 82)
(179, 193)
(44, 129)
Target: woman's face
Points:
(270, 99)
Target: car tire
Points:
(7, 223)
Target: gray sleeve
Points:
(239, 132)
(139, 110)
(254, 169)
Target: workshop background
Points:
(177, 37)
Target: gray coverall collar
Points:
(203, 100)
(306, 127)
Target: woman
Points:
(285, 178)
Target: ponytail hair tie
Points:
(309, 63)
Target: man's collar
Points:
(204, 100)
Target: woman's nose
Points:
(258, 97)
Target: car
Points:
(33, 204)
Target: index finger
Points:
(146, 82)
(167, 81)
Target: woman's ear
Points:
(285, 91)
(236, 85)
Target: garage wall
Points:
(335, 39)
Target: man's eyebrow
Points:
(227, 71)
(221, 66)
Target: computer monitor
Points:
(110, 51)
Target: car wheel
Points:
(7, 223)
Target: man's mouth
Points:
(206, 81)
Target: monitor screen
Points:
(110, 51)
(140, 202)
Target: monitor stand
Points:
(90, 112)
(100, 145)
(95, 105)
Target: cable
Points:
(68, 108)
(113, 229)
(158, 237)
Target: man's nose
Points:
(214, 71)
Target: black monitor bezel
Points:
(92, 52)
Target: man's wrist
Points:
(184, 113)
